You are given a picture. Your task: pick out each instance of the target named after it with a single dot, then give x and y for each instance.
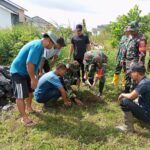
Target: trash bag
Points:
(6, 90)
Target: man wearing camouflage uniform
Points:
(134, 52)
(119, 65)
(72, 77)
(95, 65)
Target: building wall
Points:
(5, 18)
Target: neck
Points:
(56, 72)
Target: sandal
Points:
(29, 123)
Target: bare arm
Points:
(42, 65)
(53, 61)
(67, 102)
(132, 96)
(34, 80)
(88, 47)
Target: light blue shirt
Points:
(46, 83)
(30, 53)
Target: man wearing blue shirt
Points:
(140, 109)
(50, 88)
(24, 70)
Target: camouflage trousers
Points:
(91, 74)
(119, 68)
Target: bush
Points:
(12, 39)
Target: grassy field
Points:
(89, 128)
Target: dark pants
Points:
(119, 68)
(137, 111)
(80, 61)
(52, 95)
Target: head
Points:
(60, 43)
(49, 40)
(61, 69)
(137, 72)
(74, 66)
(134, 28)
(79, 29)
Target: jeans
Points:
(52, 95)
(137, 111)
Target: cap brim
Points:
(54, 41)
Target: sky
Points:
(71, 12)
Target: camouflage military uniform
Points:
(132, 54)
(93, 61)
(71, 77)
(119, 65)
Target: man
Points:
(95, 64)
(50, 88)
(79, 45)
(135, 51)
(119, 65)
(51, 54)
(71, 77)
(141, 110)
(24, 71)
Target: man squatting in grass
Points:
(24, 70)
(51, 54)
(50, 88)
(141, 109)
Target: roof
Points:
(41, 19)
(17, 6)
(7, 9)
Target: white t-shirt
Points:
(49, 53)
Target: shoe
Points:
(115, 80)
(128, 123)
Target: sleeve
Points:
(56, 82)
(87, 41)
(34, 56)
(141, 89)
(57, 52)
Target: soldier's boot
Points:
(128, 123)
(115, 80)
(123, 82)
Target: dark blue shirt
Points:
(143, 89)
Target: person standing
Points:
(79, 45)
(134, 52)
(24, 71)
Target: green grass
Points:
(89, 128)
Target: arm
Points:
(53, 61)
(71, 51)
(88, 47)
(132, 96)
(42, 65)
(34, 81)
(67, 102)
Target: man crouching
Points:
(50, 88)
(140, 110)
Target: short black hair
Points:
(79, 27)
(61, 66)
(47, 37)
(61, 41)
(138, 67)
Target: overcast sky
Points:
(71, 12)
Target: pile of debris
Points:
(6, 91)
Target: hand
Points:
(120, 97)
(85, 77)
(79, 103)
(40, 74)
(34, 83)
(68, 103)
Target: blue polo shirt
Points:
(143, 90)
(30, 53)
(46, 84)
